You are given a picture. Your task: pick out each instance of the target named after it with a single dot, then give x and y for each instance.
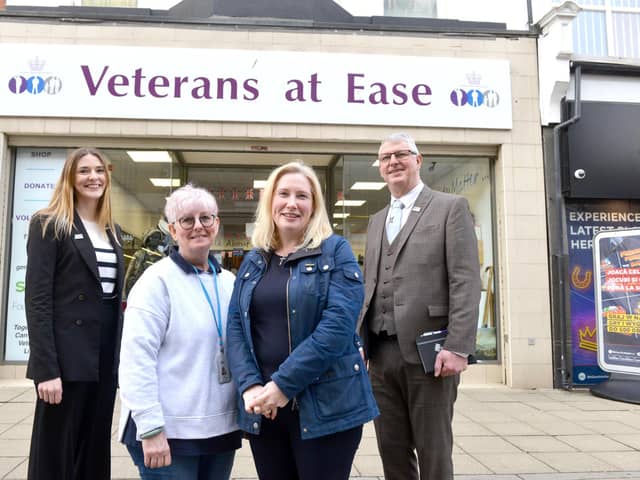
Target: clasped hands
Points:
(264, 400)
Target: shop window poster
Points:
(37, 170)
(617, 288)
(585, 219)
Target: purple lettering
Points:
(232, 82)
(421, 90)
(91, 85)
(379, 96)
(202, 91)
(156, 82)
(117, 81)
(296, 93)
(137, 82)
(177, 88)
(352, 87)
(399, 95)
(314, 82)
(251, 87)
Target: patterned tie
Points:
(395, 220)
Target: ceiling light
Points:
(149, 156)
(350, 203)
(259, 184)
(341, 215)
(368, 186)
(165, 182)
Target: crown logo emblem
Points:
(37, 64)
(588, 339)
(474, 78)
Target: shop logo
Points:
(36, 81)
(474, 94)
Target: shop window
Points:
(139, 187)
(411, 8)
(141, 182)
(360, 192)
(607, 28)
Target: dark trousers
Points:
(416, 411)
(72, 440)
(280, 453)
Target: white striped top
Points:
(105, 256)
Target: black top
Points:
(268, 310)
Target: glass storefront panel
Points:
(360, 192)
(411, 8)
(141, 181)
(137, 206)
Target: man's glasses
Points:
(400, 155)
(189, 222)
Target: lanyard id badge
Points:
(224, 374)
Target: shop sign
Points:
(37, 170)
(584, 220)
(617, 288)
(253, 86)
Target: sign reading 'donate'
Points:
(37, 170)
(256, 86)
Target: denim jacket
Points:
(324, 375)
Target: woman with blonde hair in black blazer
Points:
(73, 294)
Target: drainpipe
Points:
(561, 247)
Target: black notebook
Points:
(429, 344)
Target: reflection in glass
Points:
(138, 196)
(411, 8)
(469, 177)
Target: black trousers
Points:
(72, 440)
(416, 411)
(280, 453)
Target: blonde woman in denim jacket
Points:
(293, 352)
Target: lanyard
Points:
(218, 318)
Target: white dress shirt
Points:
(408, 200)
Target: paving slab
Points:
(593, 443)
(513, 463)
(539, 443)
(620, 460)
(575, 462)
(499, 434)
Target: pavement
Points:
(500, 434)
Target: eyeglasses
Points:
(400, 155)
(189, 222)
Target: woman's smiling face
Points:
(292, 206)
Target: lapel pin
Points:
(78, 236)
(415, 209)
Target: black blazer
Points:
(62, 295)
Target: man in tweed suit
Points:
(421, 274)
